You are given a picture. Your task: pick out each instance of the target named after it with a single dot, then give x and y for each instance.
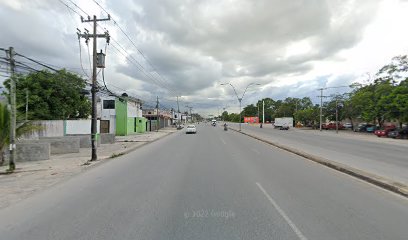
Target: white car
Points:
(191, 129)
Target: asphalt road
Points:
(379, 157)
(212, 185)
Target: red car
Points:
(385, 131)
(332, 126)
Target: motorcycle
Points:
(225, 128)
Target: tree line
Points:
(381, 100)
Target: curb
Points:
(120, 154)
(395, 187)
(141, 145)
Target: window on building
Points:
(108, 104)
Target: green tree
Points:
(250, 111)
(308, 116)
(225, 116)
(22, 127)
(52, 96)
(269, 106)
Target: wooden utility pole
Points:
(86, 35)
(12, 148)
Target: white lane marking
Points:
(256, 151)
(222, 140)
(282, 213)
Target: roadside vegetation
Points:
(384, 99)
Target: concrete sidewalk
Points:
(383, 173)
(30, 177)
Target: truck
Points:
(283, 122)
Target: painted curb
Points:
(392, 186)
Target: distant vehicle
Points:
(285, 121)
(371, 129)
(348, 125)
(284, 128)
(214, 122)
(385, 131)
(332, 125)
(364, 127)
(399, 133)
(191, 129)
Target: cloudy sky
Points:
(189, 47)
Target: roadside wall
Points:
(49, 128)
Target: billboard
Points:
(251, 120)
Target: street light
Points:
(240, 98)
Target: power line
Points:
(69, 7)
(130, 59)
(39, 63)
(79, 8)
(134, 45)
(138, 65)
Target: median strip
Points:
(392, 186)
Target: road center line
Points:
(223, 141)
(282, 213)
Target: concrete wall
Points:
(32, 151)
(49, 128)
(121, 117)
(60, 128)
(62, 145)
(107, 138)
(85, 140)
(140, 124)
(133, 109)
(79, 126)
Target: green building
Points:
(123, 115)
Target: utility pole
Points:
(263, 111)
(86, 35)
(321, 106)
(321, 101)
(191, 116)
(12, 165)
(157, 114)
(178, 112)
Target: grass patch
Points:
(115, 155)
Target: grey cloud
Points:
(233, 33)
(195, 45)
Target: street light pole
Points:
(240, 98)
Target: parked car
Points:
(399, 133)
(332, 125)
(365, 127)
(385, 131)
(191, 129)
(348, 126)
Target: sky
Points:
(187, 48)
